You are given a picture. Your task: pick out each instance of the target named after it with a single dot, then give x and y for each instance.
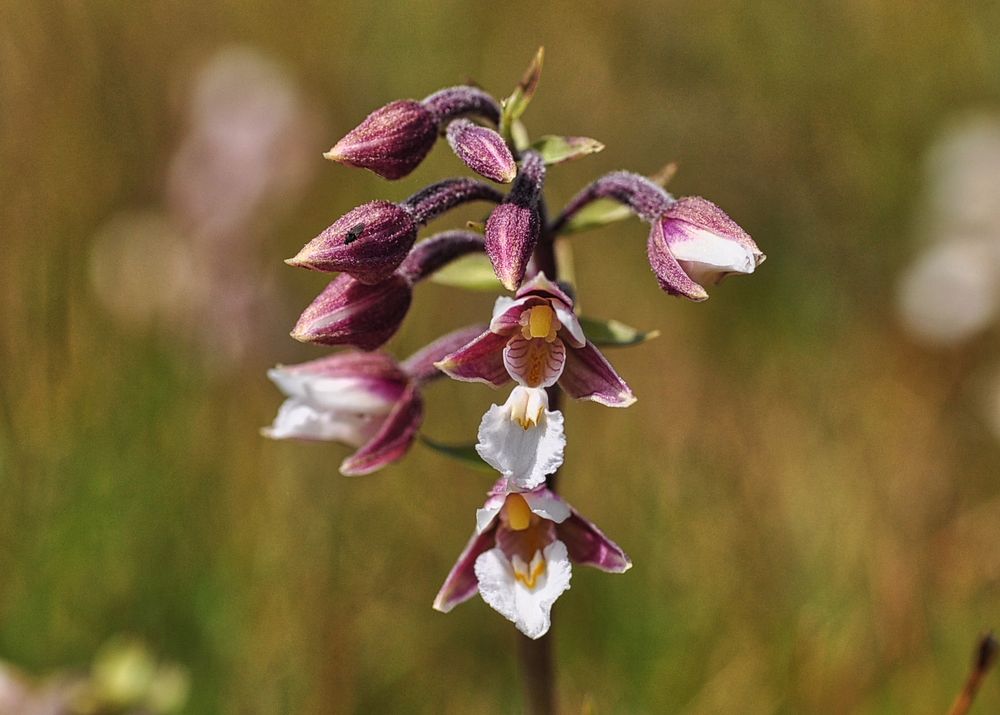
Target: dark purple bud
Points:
(513, 227)
(463, 101)
(348, 312)
(483, 150)
(391, 141)
(428, 257)
(368, 242)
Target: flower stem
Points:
(536, 659)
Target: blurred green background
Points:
(810, 495)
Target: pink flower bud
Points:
(369, 242)
(349, 312)
(511, 233)
(391, 141)
(483, 150)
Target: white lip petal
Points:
(298, 419)
(705, 255)
(525, 456)
(528, 609)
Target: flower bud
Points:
(483, 150)
(368, 242)
(513, 227)
(391, 141)
(349, 312)
(693, 243)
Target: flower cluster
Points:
(519, 559)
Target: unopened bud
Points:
(483, 150)
(348, 312)
(369, 242)
(391, 141)
(513, 227)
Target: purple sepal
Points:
(587, 544)
(373, 368)
(392, 440)
(369, 242)
(479, 361)
(433, 254)
(391, 141)
(588, 375)
(669, 274)
(511, 233)
(349, 312)
(421, 365)
(461, 583)
(482, 150)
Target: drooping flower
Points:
(696, 243)
(364, 400)
(519, 559)
(535, 339)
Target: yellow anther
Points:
(518, 512)
(539, 322)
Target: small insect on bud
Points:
(368, 242)
(391, 141)
(482, 150)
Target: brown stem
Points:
(986, 653)
(536, 659)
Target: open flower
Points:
(519, 559)
(365, 400)
(536, 340)
(696, 243)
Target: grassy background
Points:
(810, 498)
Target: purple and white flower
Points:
(536, 340)
(365, 400)
(694, 243)
(520, 558)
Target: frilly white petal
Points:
(523, 456)
(528, 609)
(486, 515)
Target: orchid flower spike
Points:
(364, 400)
(519, 559)
(536, 339)
(694, 243)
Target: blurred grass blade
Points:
(465, 453)
(556, 149)
(471, 272)
(611, 333)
